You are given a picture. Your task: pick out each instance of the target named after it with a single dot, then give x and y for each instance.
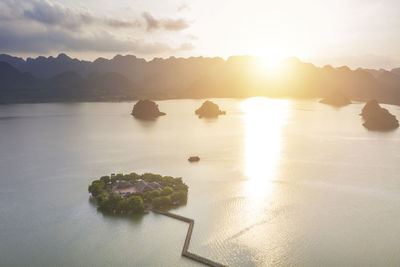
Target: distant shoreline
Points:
(316, 99)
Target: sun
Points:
(269, 62)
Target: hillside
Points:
(62, 78)
(18, 87)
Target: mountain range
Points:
(65, 79)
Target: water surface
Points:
(280, 182)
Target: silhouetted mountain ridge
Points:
(66, 86)
(396, 71)
(129, 77)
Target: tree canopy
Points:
(105, 192)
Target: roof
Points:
(143, 186)
(123, 184)
(155, 185)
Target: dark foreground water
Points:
(279, 183)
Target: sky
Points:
(356, 33)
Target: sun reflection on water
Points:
(263, 121)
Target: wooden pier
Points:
(185, 251)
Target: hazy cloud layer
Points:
(167, 24)
(58, 40)
(182, 7)
(40, 26)
(186, 46)
(55, 14)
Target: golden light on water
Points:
(263, 119)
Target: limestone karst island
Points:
(209, 110)
(146, 110)
(378, 118)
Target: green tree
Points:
(112, 203)
(97, 187)
(167, 190)
(149, 195)
(133, 177)
(119, 176)
(179, 196)
(135, 204)
(178, 181)
(161, 202)
(101, 197)
(167, 181)
(151, 177)
(105, 179)
(181, 187)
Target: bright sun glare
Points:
(268, 63)
(263, 120)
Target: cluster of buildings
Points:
(127, 188)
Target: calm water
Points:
(279, 183)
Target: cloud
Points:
(166, 24)
(192, 37)
(152, 23)
(120, 23)
(51, 40)
(40, 26)
(175, 25)
(186, 46)
(182, 7)
(55, 14)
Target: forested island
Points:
(133, 193)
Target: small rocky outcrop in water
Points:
(146, 109)
(194, 159)
(378, 118)
(209, 110)
(336, 99)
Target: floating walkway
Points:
(185, 251)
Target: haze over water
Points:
(280, 182)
